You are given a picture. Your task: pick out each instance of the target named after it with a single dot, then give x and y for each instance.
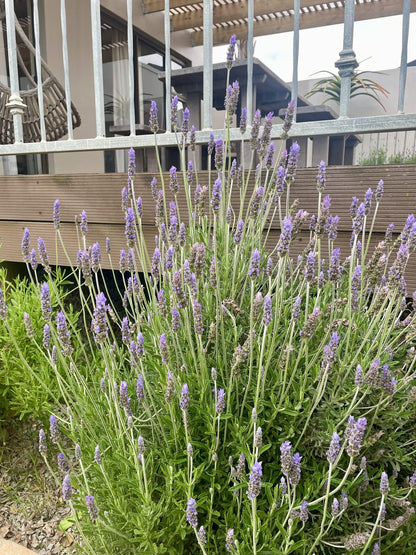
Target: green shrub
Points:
(247, 401)
(379, 156)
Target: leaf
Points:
(66, 523)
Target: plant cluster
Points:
(246, 400)
(379, 156)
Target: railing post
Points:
(347, 61)
(294, 97)
(16, 104)
(168, 80)
(39, 70)
(65, 61)
(132, 118)
(208, 72)
(98, 67)
(250, 54)
(403, 61)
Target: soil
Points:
(31, 507)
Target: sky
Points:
(377, 46)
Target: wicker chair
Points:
(54, 103)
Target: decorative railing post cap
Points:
(16, 104)
(347, 62)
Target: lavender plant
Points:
(246, 400)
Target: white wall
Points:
(362, 106)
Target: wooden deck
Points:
(27, 201)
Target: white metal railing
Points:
(346, 65)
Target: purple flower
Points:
(132, 162)
(243, 121)
(310, 266)
(84, 223)
(130, 232)
(295, 470)
(285, 236)
(216, 195)
(219, 154)
(192, 138)
(170, 387)
(379, 190)
(296, 308)
(99, 319)
(255, 128)
(43, 255)
(229, 539)
(321, 177)
(202, 536)
(140, 388)
(184, 399)
(63, 334)
(92, 507)
(54, 429)
(330, 353)
(238, 232)
(358, 376)
(334, 448)
(197, 313)
(25, 244)
(335, 507)
(384, 484)
(255, 205)
(354, 433)
(153, 120)
(163, 347)
(287, 124)
(42, 442)
(124, 398)
(140, 447)
(367, 201)
(155, 270)
(267, 310)
(286, 457)
(174, 112)
(45, 302)
(292, 161)
(304, 514)
(254, 482)
(185, 123)
(97, 454)
(220, 407)
(258, 438)
(66, 488)
(191, 513)
(269, 156)
(254, 269)
(28, 325)
(231, 51)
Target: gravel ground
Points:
(31, 507)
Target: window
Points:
(149, 59)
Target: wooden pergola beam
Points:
(230, 12)
(152, 6)
(323, 18)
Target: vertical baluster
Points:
(15, 103)
(39, 70)
(347, 61)
(403, 61)
(66, 70)
(250, 53)
(98, 67)
(208, 44)
(131, 66)
(168, 85)
(296, 7)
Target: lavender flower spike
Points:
(99, 319)
(56, 216)
(334, 448)
(184, 399)
(384, 484)
(153, 120)
(254, 270)
(191, 513)
(220, 407)
(254, 484)
(231, 51)
(66, 488)
(25, 244)
(92, 507)
(42, 442)
(229, 539)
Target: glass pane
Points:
(150, 65)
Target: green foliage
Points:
(27, 384)
(232, 352)
(360, 85)
(379, 156)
